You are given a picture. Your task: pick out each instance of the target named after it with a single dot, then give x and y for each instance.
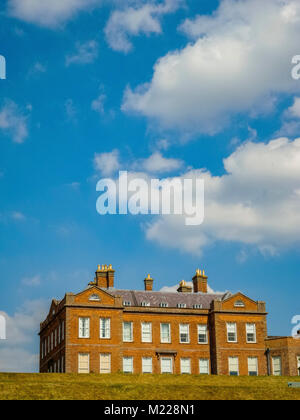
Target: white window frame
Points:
(298, 365)
(185, 370)
(273, 365)
(107, 370)
(249, 326)
(182, 331)
(250, 371)
(203, 327)
(88, 358)
(145, 366)
(144, 333)
(161, 364)
(207, 361)
(229, 325)
(230, 365)
(81, 329)
(131, 359)
(125, 340)
(106, 329)
(162, 339)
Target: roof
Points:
(136, 298)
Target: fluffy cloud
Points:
(238, 61)
(144, 18)
(13, 122)
(255, 203)
(48, 13)
(32, 281)
(19, 353)
(86, 53)
(98, 104)
(107, 163)
(156, 163)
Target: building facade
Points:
(106, 330)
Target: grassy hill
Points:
(134, 387)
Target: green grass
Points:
(135, 387)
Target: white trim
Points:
(80, 370)
(170, 333)
(161, 365)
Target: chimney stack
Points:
(105, 276)
(148, 284)
(200, 282)
(184, 288)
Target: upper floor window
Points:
(145, 303)
(146, 332)
(181, 305)
(239, 304)
(163, 304)
(231, 332)
(127, 332)
(84, 327)
(105, 328)
(126, 303)
(198, 306)
(202, 334)
(251, 333)
(165, 333)
(184, 332)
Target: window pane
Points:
(146, 332)
(202, 334)
(253, 366)
(166, 365)
(165, 333)
(127, 332)
(233, 366)
(128, 364)
(204, 366)
(105, 328)
(84, 328)
(184, 333)
(185, 365)
(83, 363)
(147, 364)
(105, 363)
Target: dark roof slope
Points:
(136, 298)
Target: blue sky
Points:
(93, 87)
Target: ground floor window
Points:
(147, 364)
(253, 366)
(277, 370)
(204, 366)
(83, 363)
(128, 364)
(166, 365)
(233, 366)
(105, 363)
(185, 366)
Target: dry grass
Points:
(139, 387)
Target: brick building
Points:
(106, 330)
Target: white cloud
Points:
(157, 163)
(133, 21)
(86, 53)
(294, 110)
(19, 353)
(18, 216)
(48, 13)
(98, 104)
(239, 61)
(255, 203)
(13, 122)
(107, 163)
(31, 281)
